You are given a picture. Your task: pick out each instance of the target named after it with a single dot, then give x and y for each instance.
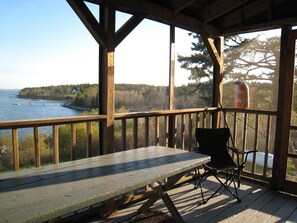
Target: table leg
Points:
(145, 207)
(171, 208)
(161, 193)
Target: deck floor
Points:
(259, 204)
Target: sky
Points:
(44, 43)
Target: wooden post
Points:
(106, 80)
(107, 89)
(171, 133)
(286, 78)
(171, 67)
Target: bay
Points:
(13, 108)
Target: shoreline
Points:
(68, 105)
(64, 102)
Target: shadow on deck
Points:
(259, 204)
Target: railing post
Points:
(89, 140)
(135, 133)
(56, 144)
(190, 129)
(73, 142)
(183, 131)
(157, 131)
(37, 147)
(124, 134)
(15, 146)
(172, 131)
(267, 145)
(147, 131)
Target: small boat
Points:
(17, 104)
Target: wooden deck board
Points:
(249, 193)
(293, 217)
(289, 206)
(269, 209)
(259, 204)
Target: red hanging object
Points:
(241, 95)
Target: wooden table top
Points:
(44, 193)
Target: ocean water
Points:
(13, 108)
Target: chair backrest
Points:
(213, 142)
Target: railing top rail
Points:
(163, 112)
(49, 121)
(249, 111)
(92, 118)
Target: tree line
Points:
(130, 97)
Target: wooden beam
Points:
(218, 70)
(219, 8)
(127, 28)
(212, 50)
(232, 16)
(161, 14)
(258, 26)
(240, 20)
(88, 19)
(178, 5)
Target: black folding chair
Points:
(225, 160)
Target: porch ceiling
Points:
(213, 17)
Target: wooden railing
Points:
(254, 130)
(54, 123)
(155, 128)
(251, 129)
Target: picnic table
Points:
(45, 193)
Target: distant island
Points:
(129, 97)
(79, 97)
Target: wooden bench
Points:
(41, 194)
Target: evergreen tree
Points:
(251, 60)
(201, 67)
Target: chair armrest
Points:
(244, 154)
(241, 152)
(235, 150)
(247, 153)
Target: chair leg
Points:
(198, 175)
(232, 179)
(226, 184)
(238, 180)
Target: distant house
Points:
(74, 91)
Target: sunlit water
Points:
(13, 108)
